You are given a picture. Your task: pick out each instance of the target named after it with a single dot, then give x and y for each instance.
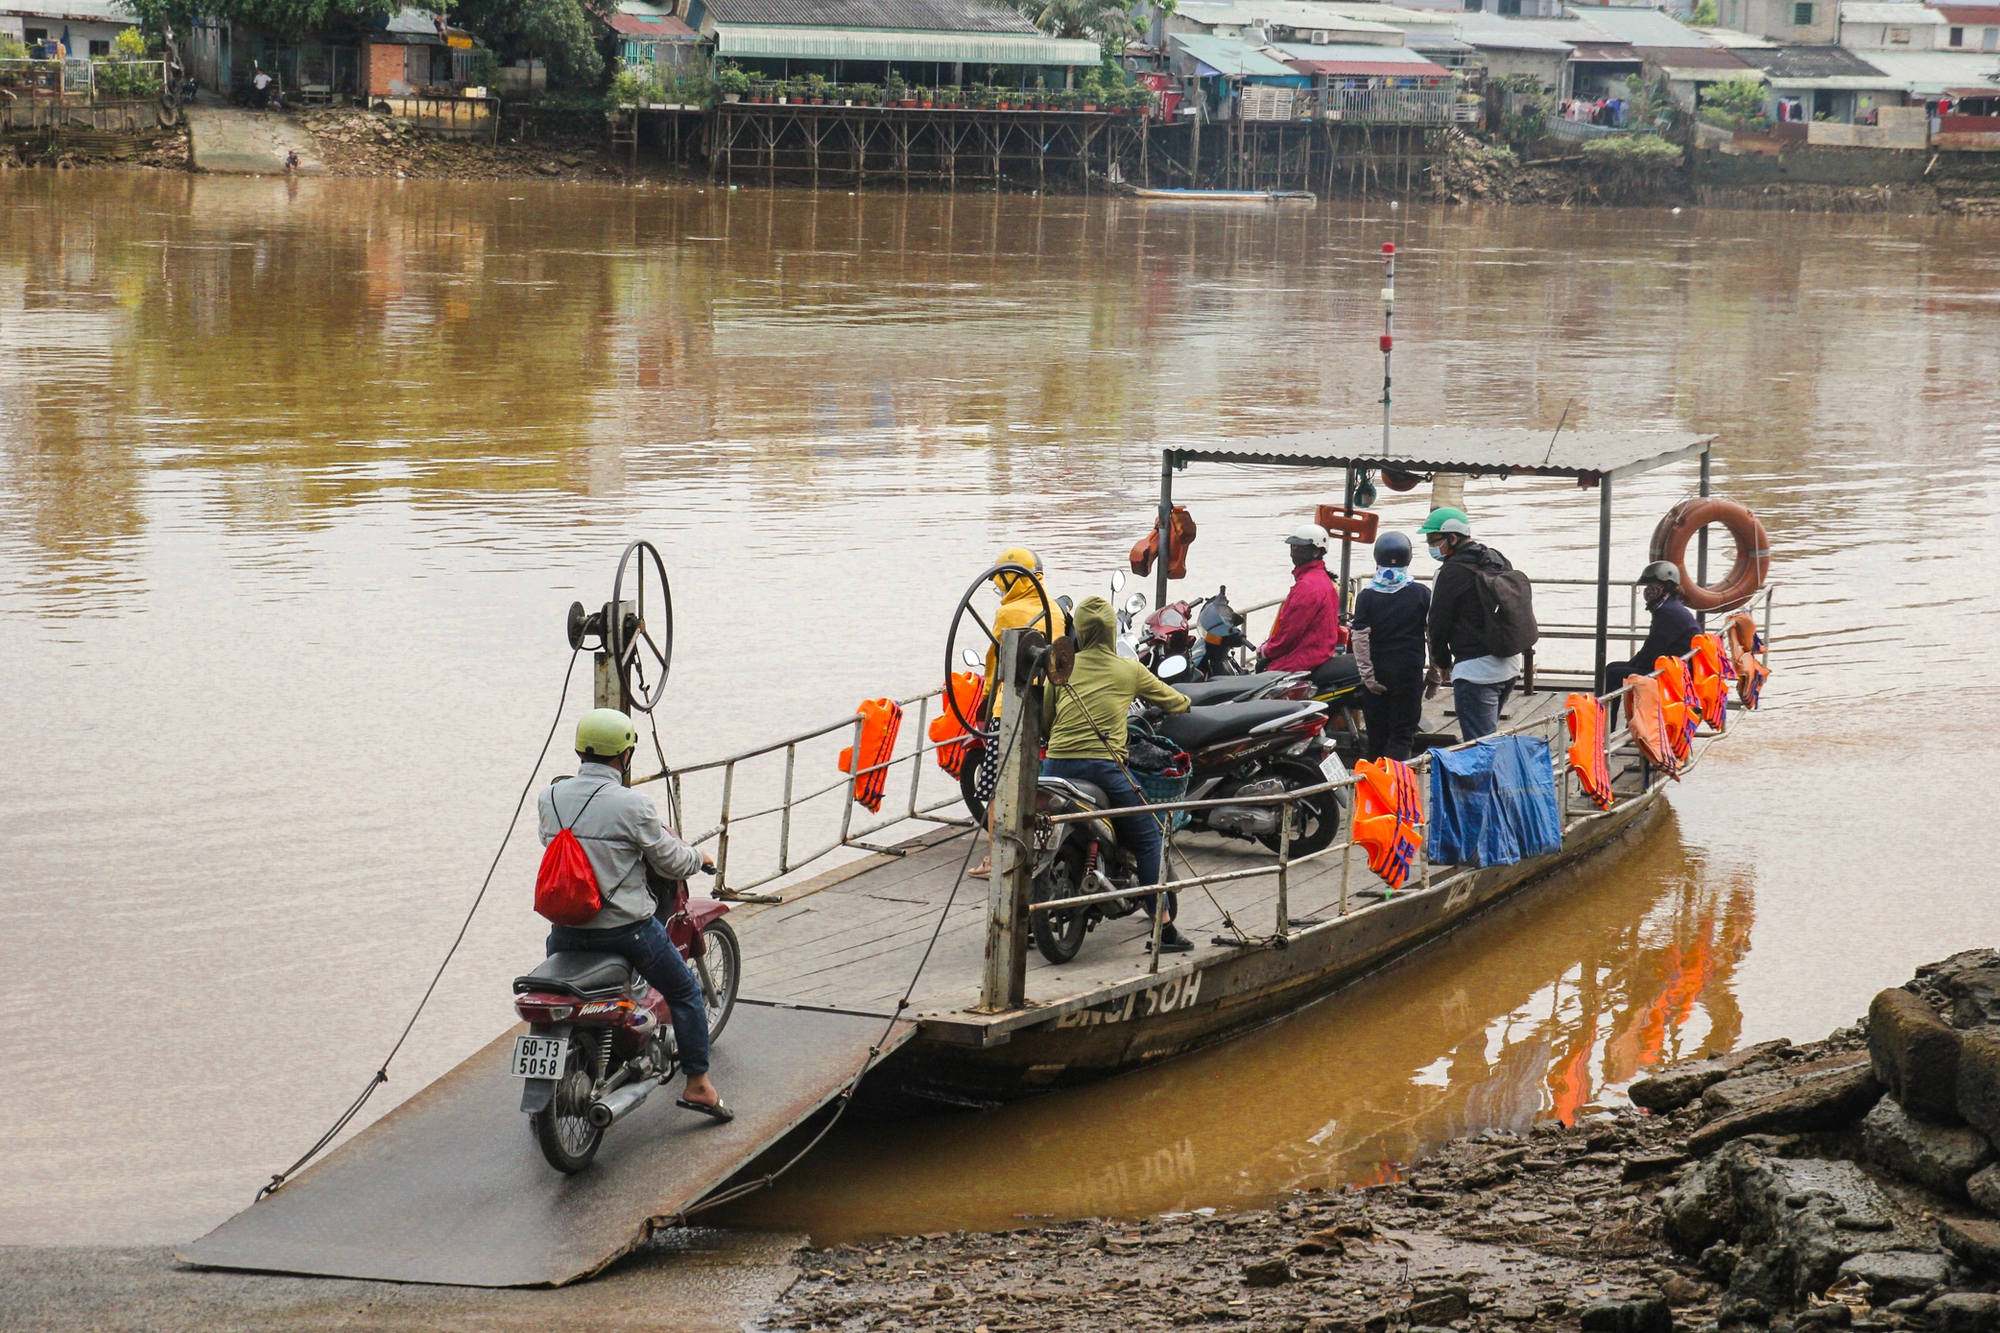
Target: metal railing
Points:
(1616, 743)
(1396, 106)
(82, 80)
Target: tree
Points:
(560, 32)
(289, 19)
(1704, 14)
(1109, 23)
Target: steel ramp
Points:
(450, 1188)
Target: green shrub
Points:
(1732, 103)
(1704, 14)
(12, 48)
(129, 44)
(730, 78)
(1643, 152)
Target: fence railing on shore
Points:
(82, 80)
(1359, 106)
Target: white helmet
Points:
(1308, 534)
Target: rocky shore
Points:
(351, 141)
(1846, 1183)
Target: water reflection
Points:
(1542, 1010)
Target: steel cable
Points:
(381, 1075)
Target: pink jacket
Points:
(1308, 626)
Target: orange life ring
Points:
(1753, 551)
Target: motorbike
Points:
(1259, 747)
(1206, 632)
(600, 1039)
(1072, 860)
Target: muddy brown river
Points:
(299, 478)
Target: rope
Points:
(381, 1074)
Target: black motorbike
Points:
(1263, 747)
(1074, 860)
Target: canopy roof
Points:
(1469, 449)
(774, 41)
(1228, 56)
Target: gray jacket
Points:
(621, 833)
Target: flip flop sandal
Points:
(713, 1110)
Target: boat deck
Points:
(852, 938)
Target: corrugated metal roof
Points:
(1901, 15)
(779, 42)
(902, 15)
(654, 27)
(1466, 449)
(1809, 62)
(1503, 35)
(1931, 72)
(1380, 55)
(1431, 41)
(1641, 27)
(1691, 57)
(1226, 55)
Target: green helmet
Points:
(605, 733)
(1447, 520)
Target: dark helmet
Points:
(1392, 549)
(1663, 572)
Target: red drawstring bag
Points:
(566, 886)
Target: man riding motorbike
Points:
(1085, 722)
(622, 836)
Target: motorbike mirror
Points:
(1173, 666)
(1135, 603)
(973, 660)
(1066, 604)
(1117, 581)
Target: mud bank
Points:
(1776, 1187)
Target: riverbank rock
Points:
(1641, 1314)
(1938, 1157)
(1978, 1087)
(1676, 1085)
(1914, 1054)
(1966, 987)
(1833, 1101)
(1975, 1240)
(1965, 1312)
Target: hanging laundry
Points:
(1745, 646)
(1586, 749)
(1710, 670)
(1645, 719)
(1677, 705)
(1494, 803)
(969, 689)
(1388, 818)
(881, 719)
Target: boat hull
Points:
(1182, 1009)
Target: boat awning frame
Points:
(763, 41)
(1594, 458)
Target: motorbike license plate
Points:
(1332, 769)
(540, 1057)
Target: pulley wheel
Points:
(985, 636)
(641, 640)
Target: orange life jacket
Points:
(1744, 645)
(1645, 718)
(1180, 534)
(881, 719)
(968, 688)
(1388, 818)
(1586, 749)
(1710, 688)
(1680, 712)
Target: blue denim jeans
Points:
(1479, 706)
(1139, 833)
(647, 946)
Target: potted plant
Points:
(926, 98)
(732, 81)
(1092, 90)
(865, 94)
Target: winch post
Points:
(1020, 734)
(608, 682)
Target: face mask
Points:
(1437, 552)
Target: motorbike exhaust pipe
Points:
(617, 1105)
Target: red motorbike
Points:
(600, 1038)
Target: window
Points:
(1899, 36)
(1802, 14)
(33, 35)
(1989, 40)
(1958, 37)
(98, 48)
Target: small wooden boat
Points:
(1228, 196)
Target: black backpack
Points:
(1507, 611)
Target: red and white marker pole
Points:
(1388, 331)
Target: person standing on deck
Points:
(623, 839)
(1085, 720)
(1390, 615)
(1480, 682)
(1307, 630)
(1020, 608)
(1670, 635)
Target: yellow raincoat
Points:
(1020, 608)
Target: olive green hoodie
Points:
(1100, 690)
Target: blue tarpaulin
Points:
(1494, 803)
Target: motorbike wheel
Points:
(720, 971)
(567, 1138)
(1059, 935)
(1316, 820)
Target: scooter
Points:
(1261, 747)
(600, 1039)
(1072, 860)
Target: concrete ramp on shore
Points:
(231, 140)
(450, 1188)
